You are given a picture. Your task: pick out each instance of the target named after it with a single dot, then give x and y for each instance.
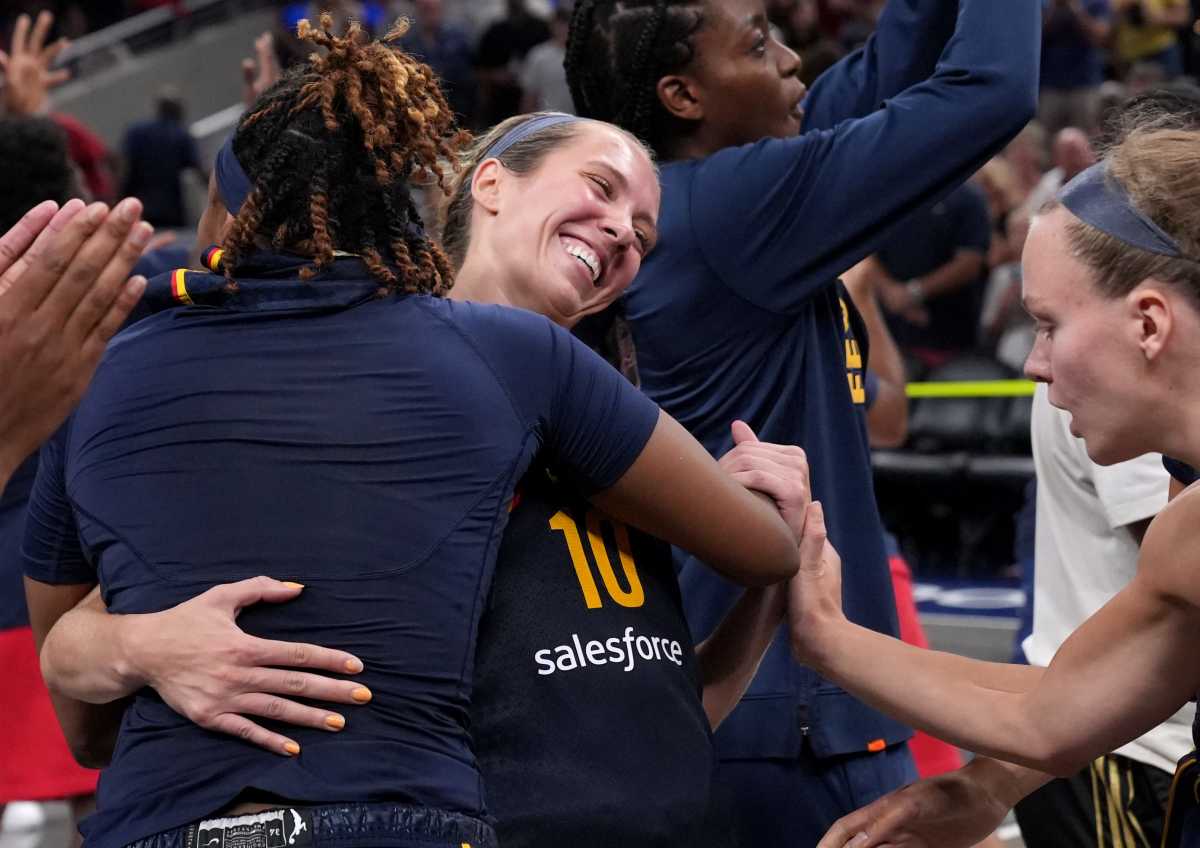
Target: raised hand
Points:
(64, 291)
(815, 593)
(28, 76)
(778, 471)
(261, 72)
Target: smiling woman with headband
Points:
(1112, 279)
(319, 418)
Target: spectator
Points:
(1073, 39)
(504, 45)
(935, 263)
(1147, 32)
(446, 48)
(543, 80)
(1072, 155)
(157, 154)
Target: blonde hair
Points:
(1160, 170)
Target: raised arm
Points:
(903, 50)
(674, 490)
(813, 206)
(1125, 670)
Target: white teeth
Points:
(587, 258)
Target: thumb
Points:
(812, 544)
(742, 433)
(244, 593)
(249, 71)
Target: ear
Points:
(487, 184)
(680, 96)
(1152, 307)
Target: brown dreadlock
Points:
(332, 149)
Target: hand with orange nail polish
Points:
(204, 666)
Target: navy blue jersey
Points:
(1180, 471)
(737, 313)
(367, 447)
(587, 717)
(12, 521)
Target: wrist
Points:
(1004, 783)
(130, 640)
(816, 640)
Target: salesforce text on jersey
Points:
(623, 651)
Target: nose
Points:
(789, 60)
(1037, 364)
(620, 233)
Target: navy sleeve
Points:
(601, 422)
(592, 420)
(51, 549)
(903, 51)
(805, 209)
(1182, 472)
(973, 224)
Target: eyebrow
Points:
(623, 181)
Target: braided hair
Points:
(331, 150)
(617, 52)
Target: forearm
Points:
(960, 271)
(979, 706)
(729, 658)
(84, 656)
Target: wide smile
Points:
(587, 260)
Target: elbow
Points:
(1059, 757)
(89, 754)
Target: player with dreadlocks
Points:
(768, 195)
(302, 423)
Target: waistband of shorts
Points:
(346, 825)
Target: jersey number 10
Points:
(565, 524)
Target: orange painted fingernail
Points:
(335, 722)
(354, 666)
(362, 694)
(291, 748)
(292, 585)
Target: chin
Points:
(1110, 453)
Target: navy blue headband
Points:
(525, 130)
(232, 183)
(1098, 199)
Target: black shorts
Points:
(1115, 801)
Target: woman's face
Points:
(739, 62)
(568, 238)
(1089, 347)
